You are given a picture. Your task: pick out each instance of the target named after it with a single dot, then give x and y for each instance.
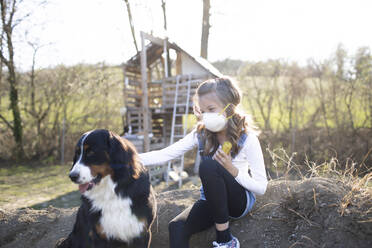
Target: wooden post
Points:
(205, 29)
(178, 64)
(125, 82)
(144, 103)
(165, 50)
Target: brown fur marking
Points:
(103, 170)
(100, 232)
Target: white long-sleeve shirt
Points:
(249, 157)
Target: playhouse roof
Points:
(154, 50)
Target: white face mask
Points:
(215, 122)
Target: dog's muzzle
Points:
(74, 176)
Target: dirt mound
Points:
(315, 212)
(35, 228)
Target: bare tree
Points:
(8, 23)
(165, 28)
(164, 14)
(205, 29)
(39, 108)
(320, 73)
(264, 100)
(1, 64)
(340, 77)
(264, 94)
(363, 70)
(131, 24)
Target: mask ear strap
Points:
(223, 110)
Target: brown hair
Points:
(227, 92)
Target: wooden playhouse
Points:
(159, 82)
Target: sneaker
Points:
(234, 243)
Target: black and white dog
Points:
(118, 202)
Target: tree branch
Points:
(4, 24)
(3, 59)
(11, 14)
(6, 122)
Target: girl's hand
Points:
(225, 160)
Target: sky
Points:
(93, 31)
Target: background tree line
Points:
(76, 98)
(43, 110)
(319, 110)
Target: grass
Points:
(39, 187)
(360, 186)
(24, 186)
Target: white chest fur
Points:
(117, 220)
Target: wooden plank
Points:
(134, 83)
(166, 56)
(146, 145)
(182, 77)
(168, 101)
(171, 105)
(185, 84)
(153, 39)
(133, 104)
(133, 96)
(181, 92)
(178, 63)
(133, 109)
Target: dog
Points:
(118, 202)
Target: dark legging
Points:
(225, 197)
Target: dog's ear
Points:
(118, 154)
(122, 157)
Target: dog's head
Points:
(101, 153)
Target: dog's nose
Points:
(74, 176)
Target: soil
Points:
(316, 212)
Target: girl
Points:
(229, 181)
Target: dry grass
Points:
(349, 175)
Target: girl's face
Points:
(209, 103)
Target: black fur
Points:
(107, 148)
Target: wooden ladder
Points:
(178, 131)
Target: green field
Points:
(24, 186)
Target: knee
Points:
(207, 168)
(177, 235)
(176, 227)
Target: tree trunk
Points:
(131, 24)
(164, 14)
(17, 121)
(205, 29)
(165, 28)
(1, 62)
(7, 13)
